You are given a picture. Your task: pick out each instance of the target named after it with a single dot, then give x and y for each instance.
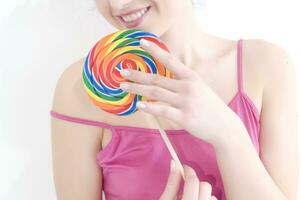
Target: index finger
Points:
(168, 60)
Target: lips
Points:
(136, 22)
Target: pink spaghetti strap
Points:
(239, 65)
(79, 120)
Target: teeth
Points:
(134, 16)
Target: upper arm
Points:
(77, 175)
(278, 133)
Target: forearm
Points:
(244, 175)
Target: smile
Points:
(134, 18)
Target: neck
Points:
(190, 44)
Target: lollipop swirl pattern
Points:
(114, 52)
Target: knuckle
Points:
(155, 92)
(187, 87)
(164, 112)
(189, 74)
(155, 80)
(193, 75)
(190, 88)
(186, 102)
(169, 58)
(182, 119)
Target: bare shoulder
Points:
(70, 97)
(276, 66)
(271, 59)
(67, 96)
(269, 67)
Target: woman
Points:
(230, 114)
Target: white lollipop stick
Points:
(170, 148)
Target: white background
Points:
(40, 38)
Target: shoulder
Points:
(66, 90)
(272, 59)
(70, 98)
(263, 46)
(274, 65)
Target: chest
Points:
(137, 166)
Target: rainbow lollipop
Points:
(101, 74)
(116, 51)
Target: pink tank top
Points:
(136, 161)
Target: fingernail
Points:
(140, 105)
(144, 42)
(124, 86)
(172, 165)
(125, 72)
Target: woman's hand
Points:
(190, 102)
(193, 189)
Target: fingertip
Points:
(213, 198)
(189, 171)
(144, 43)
